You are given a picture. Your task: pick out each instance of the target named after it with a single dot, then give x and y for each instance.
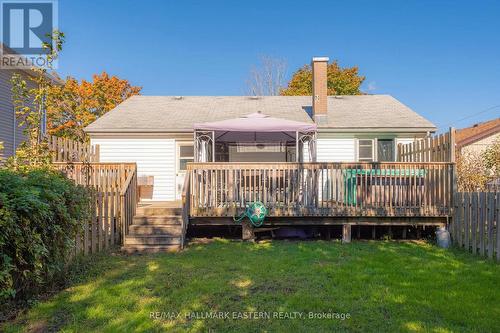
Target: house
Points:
(11, 134)
(163, 133)
(316, 160)
(478, 137)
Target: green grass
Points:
(384, 286)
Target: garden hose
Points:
(256, 213)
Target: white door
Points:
(185, 154)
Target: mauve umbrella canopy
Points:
(256, 122)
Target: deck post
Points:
(346, 233)
(247, 231)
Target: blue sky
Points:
(441, 58)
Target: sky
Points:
(441, 58)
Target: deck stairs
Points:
(157, 227)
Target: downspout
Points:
(14, 128)
(43, 122)
(297, 146)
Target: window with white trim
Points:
(186, 155)
(365, 150)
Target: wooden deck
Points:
(328, 190)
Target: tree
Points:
(267, 79)
(29, 98)
(75, 104)
(341, 81)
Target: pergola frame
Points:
(302, 138)
(201, 137)
(207, 138)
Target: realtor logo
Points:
(26, 26)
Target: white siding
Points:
(154, 157)
(336, 150)
(10, 133)
(480, 146)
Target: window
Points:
(365, 150)
(385, 150)
(186, 154)
(260, 148)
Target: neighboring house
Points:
(157, 132)
(10, 133)
(478, 137)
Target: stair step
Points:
(157, 219)
(151, 240)
(150, 248)
(151, 211)
(171, 230)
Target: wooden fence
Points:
(113, 189)
(322, 189)
(439, 148)
(67, 150)
(475, 224)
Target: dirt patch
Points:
(38, 327)
(272, 289)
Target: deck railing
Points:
(113, 203)
(322, 189)
(186, 202)
(128, 202)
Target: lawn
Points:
(376, 286)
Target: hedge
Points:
(40, 213)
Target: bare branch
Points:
(268, 78)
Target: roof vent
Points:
(178, 98)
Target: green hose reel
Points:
(256, 213)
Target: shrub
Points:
(471, 172)
(476, 168)
(41, 212)
(492, 158)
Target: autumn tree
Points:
(341, 81)
(75, 104)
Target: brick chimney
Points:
(319, 87)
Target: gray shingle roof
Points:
(171, 114)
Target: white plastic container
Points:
(443, 238)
